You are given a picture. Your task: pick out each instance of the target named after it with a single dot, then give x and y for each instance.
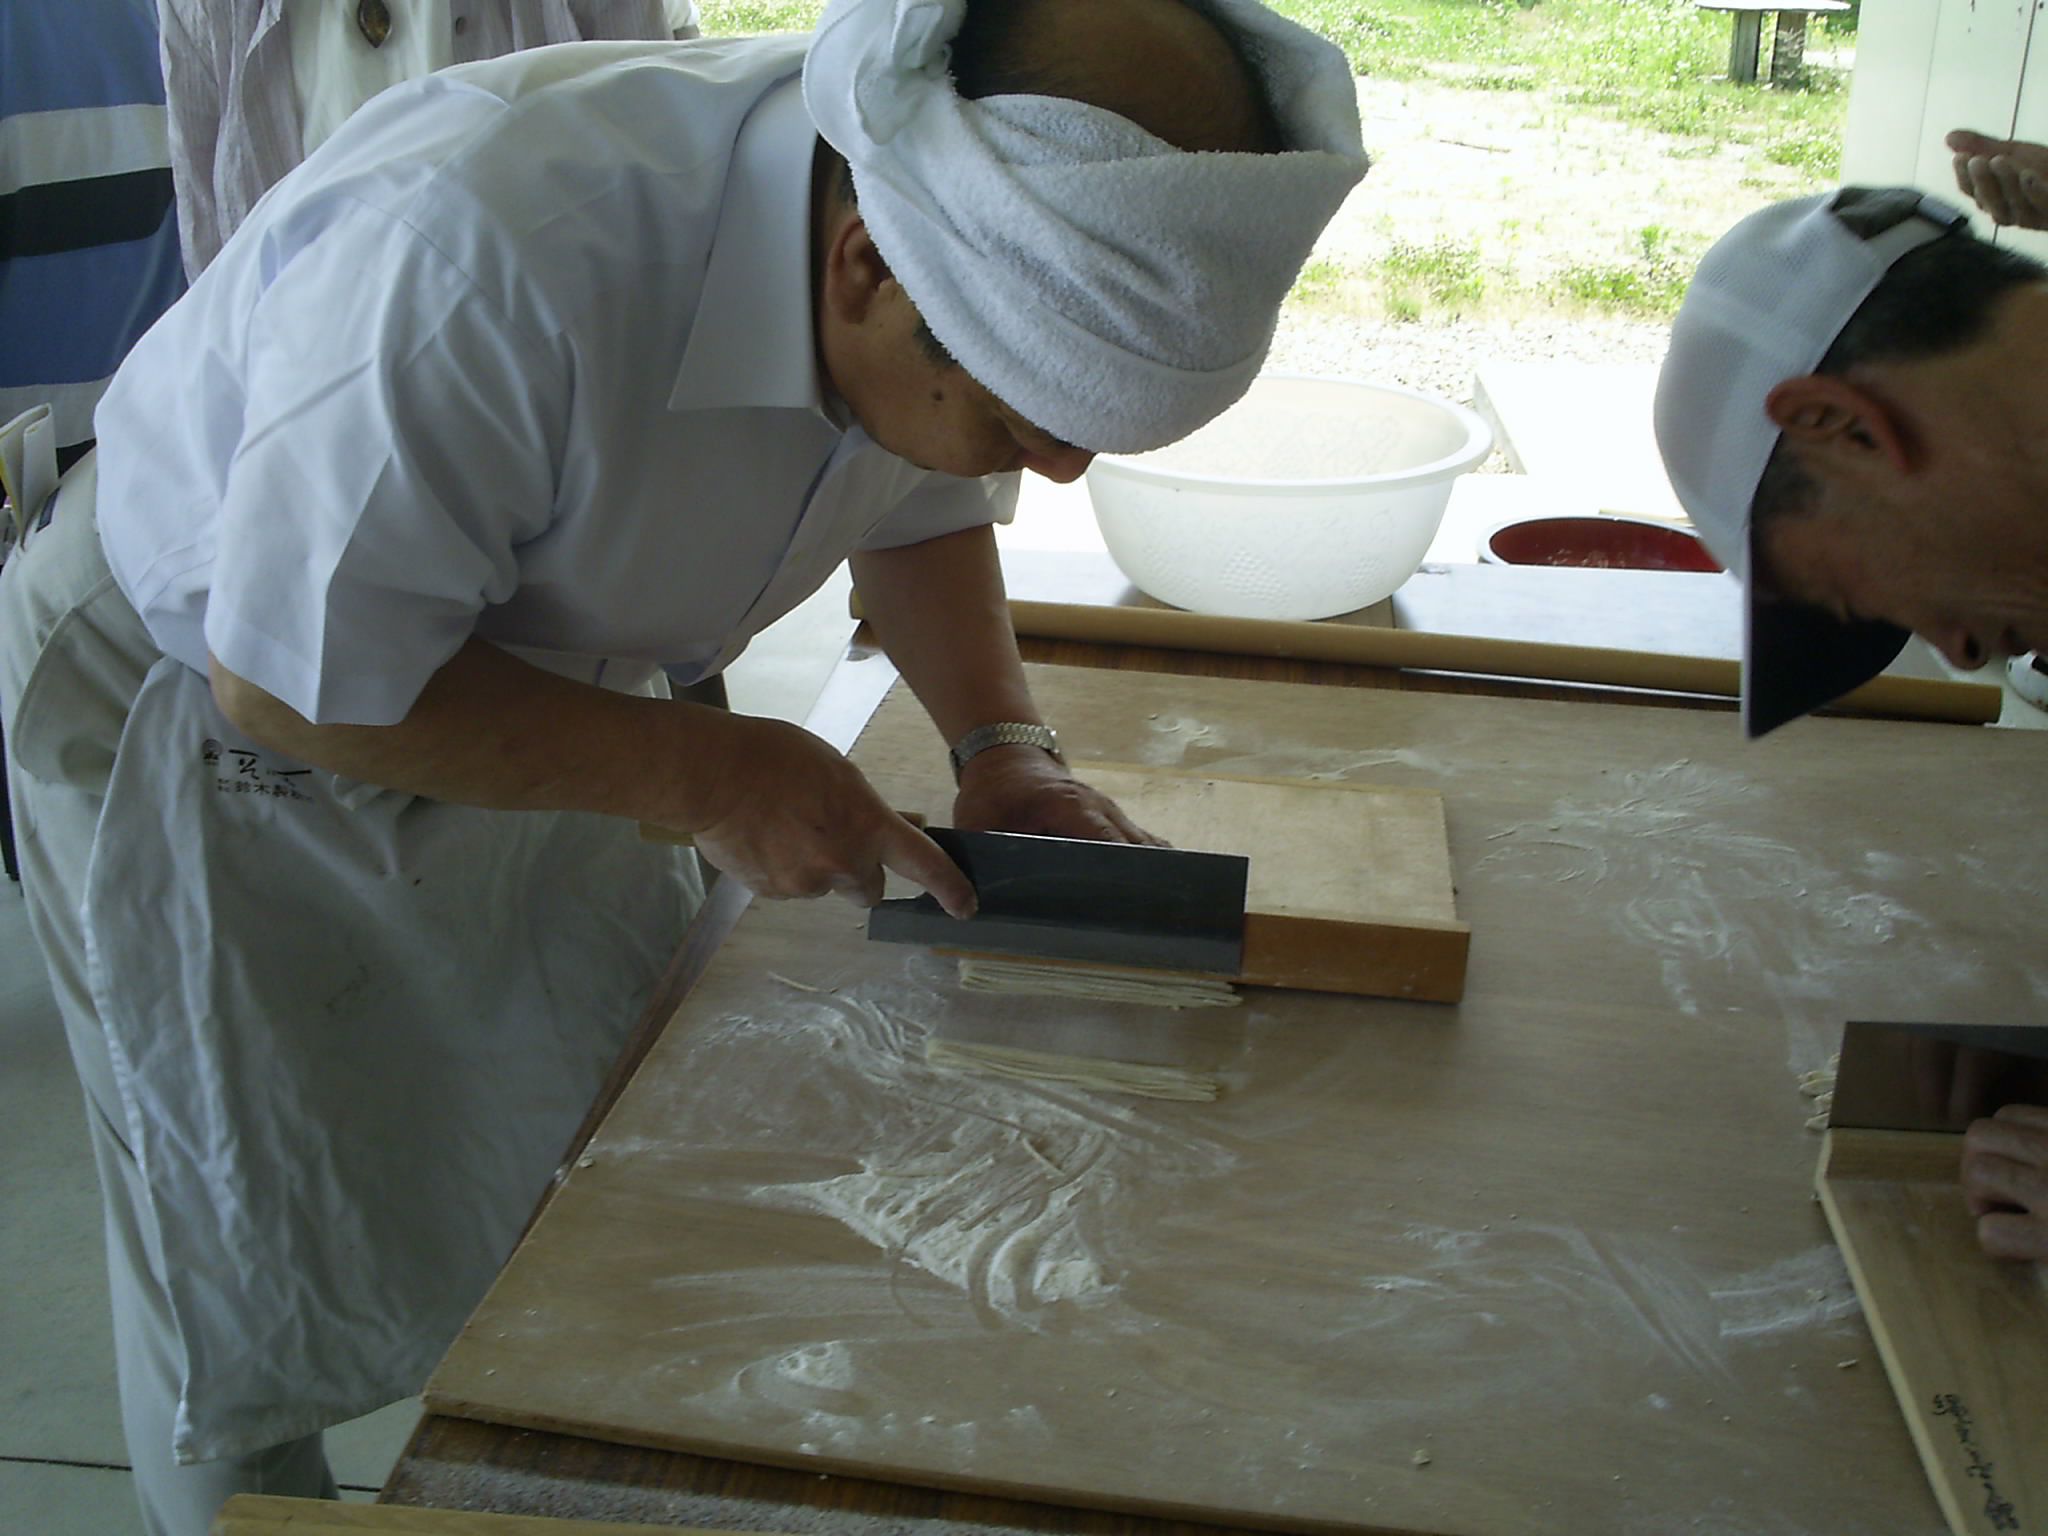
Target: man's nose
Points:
(1063, 465)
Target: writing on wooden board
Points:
(1977, 1466)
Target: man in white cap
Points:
(1848, 412)
(330, 681)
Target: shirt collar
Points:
(752, 341)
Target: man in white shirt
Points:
(331, 676)
(1850, 413)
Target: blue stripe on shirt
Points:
(72, 316)
(57, 54)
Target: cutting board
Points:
(1963, 1336)
(1350, 885)
(1546, 1261)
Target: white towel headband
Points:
(1114, 290)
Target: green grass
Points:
(1446, 279)
(1320, 282)
(1627, 287)
(1443, 277)
(728, 18)
(1650, 283)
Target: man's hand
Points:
(1024, 789)
(2007, 178)
(768, 803)
(2005, 1180)
(797, 819)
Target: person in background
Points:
(258, 85)
(88, 236)
(1854, 412)
(336, 673)
(2007, 178)
(88, 239)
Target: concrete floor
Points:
(62, 1464)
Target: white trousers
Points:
(55, 591)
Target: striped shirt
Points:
(88, 239)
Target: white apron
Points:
(352, 1031)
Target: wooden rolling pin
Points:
(1173, 629)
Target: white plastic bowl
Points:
(1309, 497)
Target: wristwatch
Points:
(1004, 733)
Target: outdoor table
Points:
(1789, 40)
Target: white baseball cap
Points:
(1767, 303)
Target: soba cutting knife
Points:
(1936, 1077)
(1060, 898)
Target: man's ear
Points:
(1827, 416)
(854, 272)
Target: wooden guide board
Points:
(1350, 886)
(1560, 1237)
(1963, 1336)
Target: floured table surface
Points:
(1543, 1261)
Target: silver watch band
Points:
(1004, 733)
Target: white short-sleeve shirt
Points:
(524, 351)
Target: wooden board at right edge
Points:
(1964, 1337)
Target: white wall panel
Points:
(1980, 52)
(2030, 121)
(1888, 91)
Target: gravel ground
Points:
(1440, 357)
(1532, 187)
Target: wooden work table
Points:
(459, 1463)
(455, 1463)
